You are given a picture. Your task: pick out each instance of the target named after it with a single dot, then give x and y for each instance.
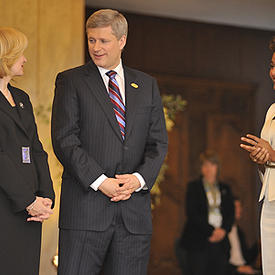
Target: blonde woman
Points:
(26, 193)
(262, 151)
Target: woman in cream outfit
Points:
(262, 151)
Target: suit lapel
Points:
(23, 112)
(204, 195)
(7, 108)
(97, 86)
(131, 92)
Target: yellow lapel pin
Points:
(134, 85)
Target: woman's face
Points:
(272, 70)
(17, 68)
(209, 171)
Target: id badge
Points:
(26, 158)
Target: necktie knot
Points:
(111, 74)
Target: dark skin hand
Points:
(259, 149)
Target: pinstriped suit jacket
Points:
(87, 141)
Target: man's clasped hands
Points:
(120, 188)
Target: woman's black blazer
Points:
(197, 230)
(21, 182)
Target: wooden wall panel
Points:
(218, 113)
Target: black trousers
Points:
(115, 251)
(211, 260)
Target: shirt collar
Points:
(118, 69)
(208, 185)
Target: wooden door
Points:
(217, 115)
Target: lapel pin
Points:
(134, 85)
(21, 105)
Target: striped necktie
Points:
(118, 105)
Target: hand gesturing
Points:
(259, 149)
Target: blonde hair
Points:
(12, 45)
(108, 17)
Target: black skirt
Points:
(20, 241)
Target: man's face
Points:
(104, 48)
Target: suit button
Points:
(126, 148)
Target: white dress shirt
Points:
(236, 255)
(213, 195)
(121, 83)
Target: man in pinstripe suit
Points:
(109, 133)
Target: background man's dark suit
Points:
(88, 143)
(249, 254)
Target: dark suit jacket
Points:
(249, 253)
(197, 229)
(87, 141)
(20, 182)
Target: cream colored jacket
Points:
(268, 134)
